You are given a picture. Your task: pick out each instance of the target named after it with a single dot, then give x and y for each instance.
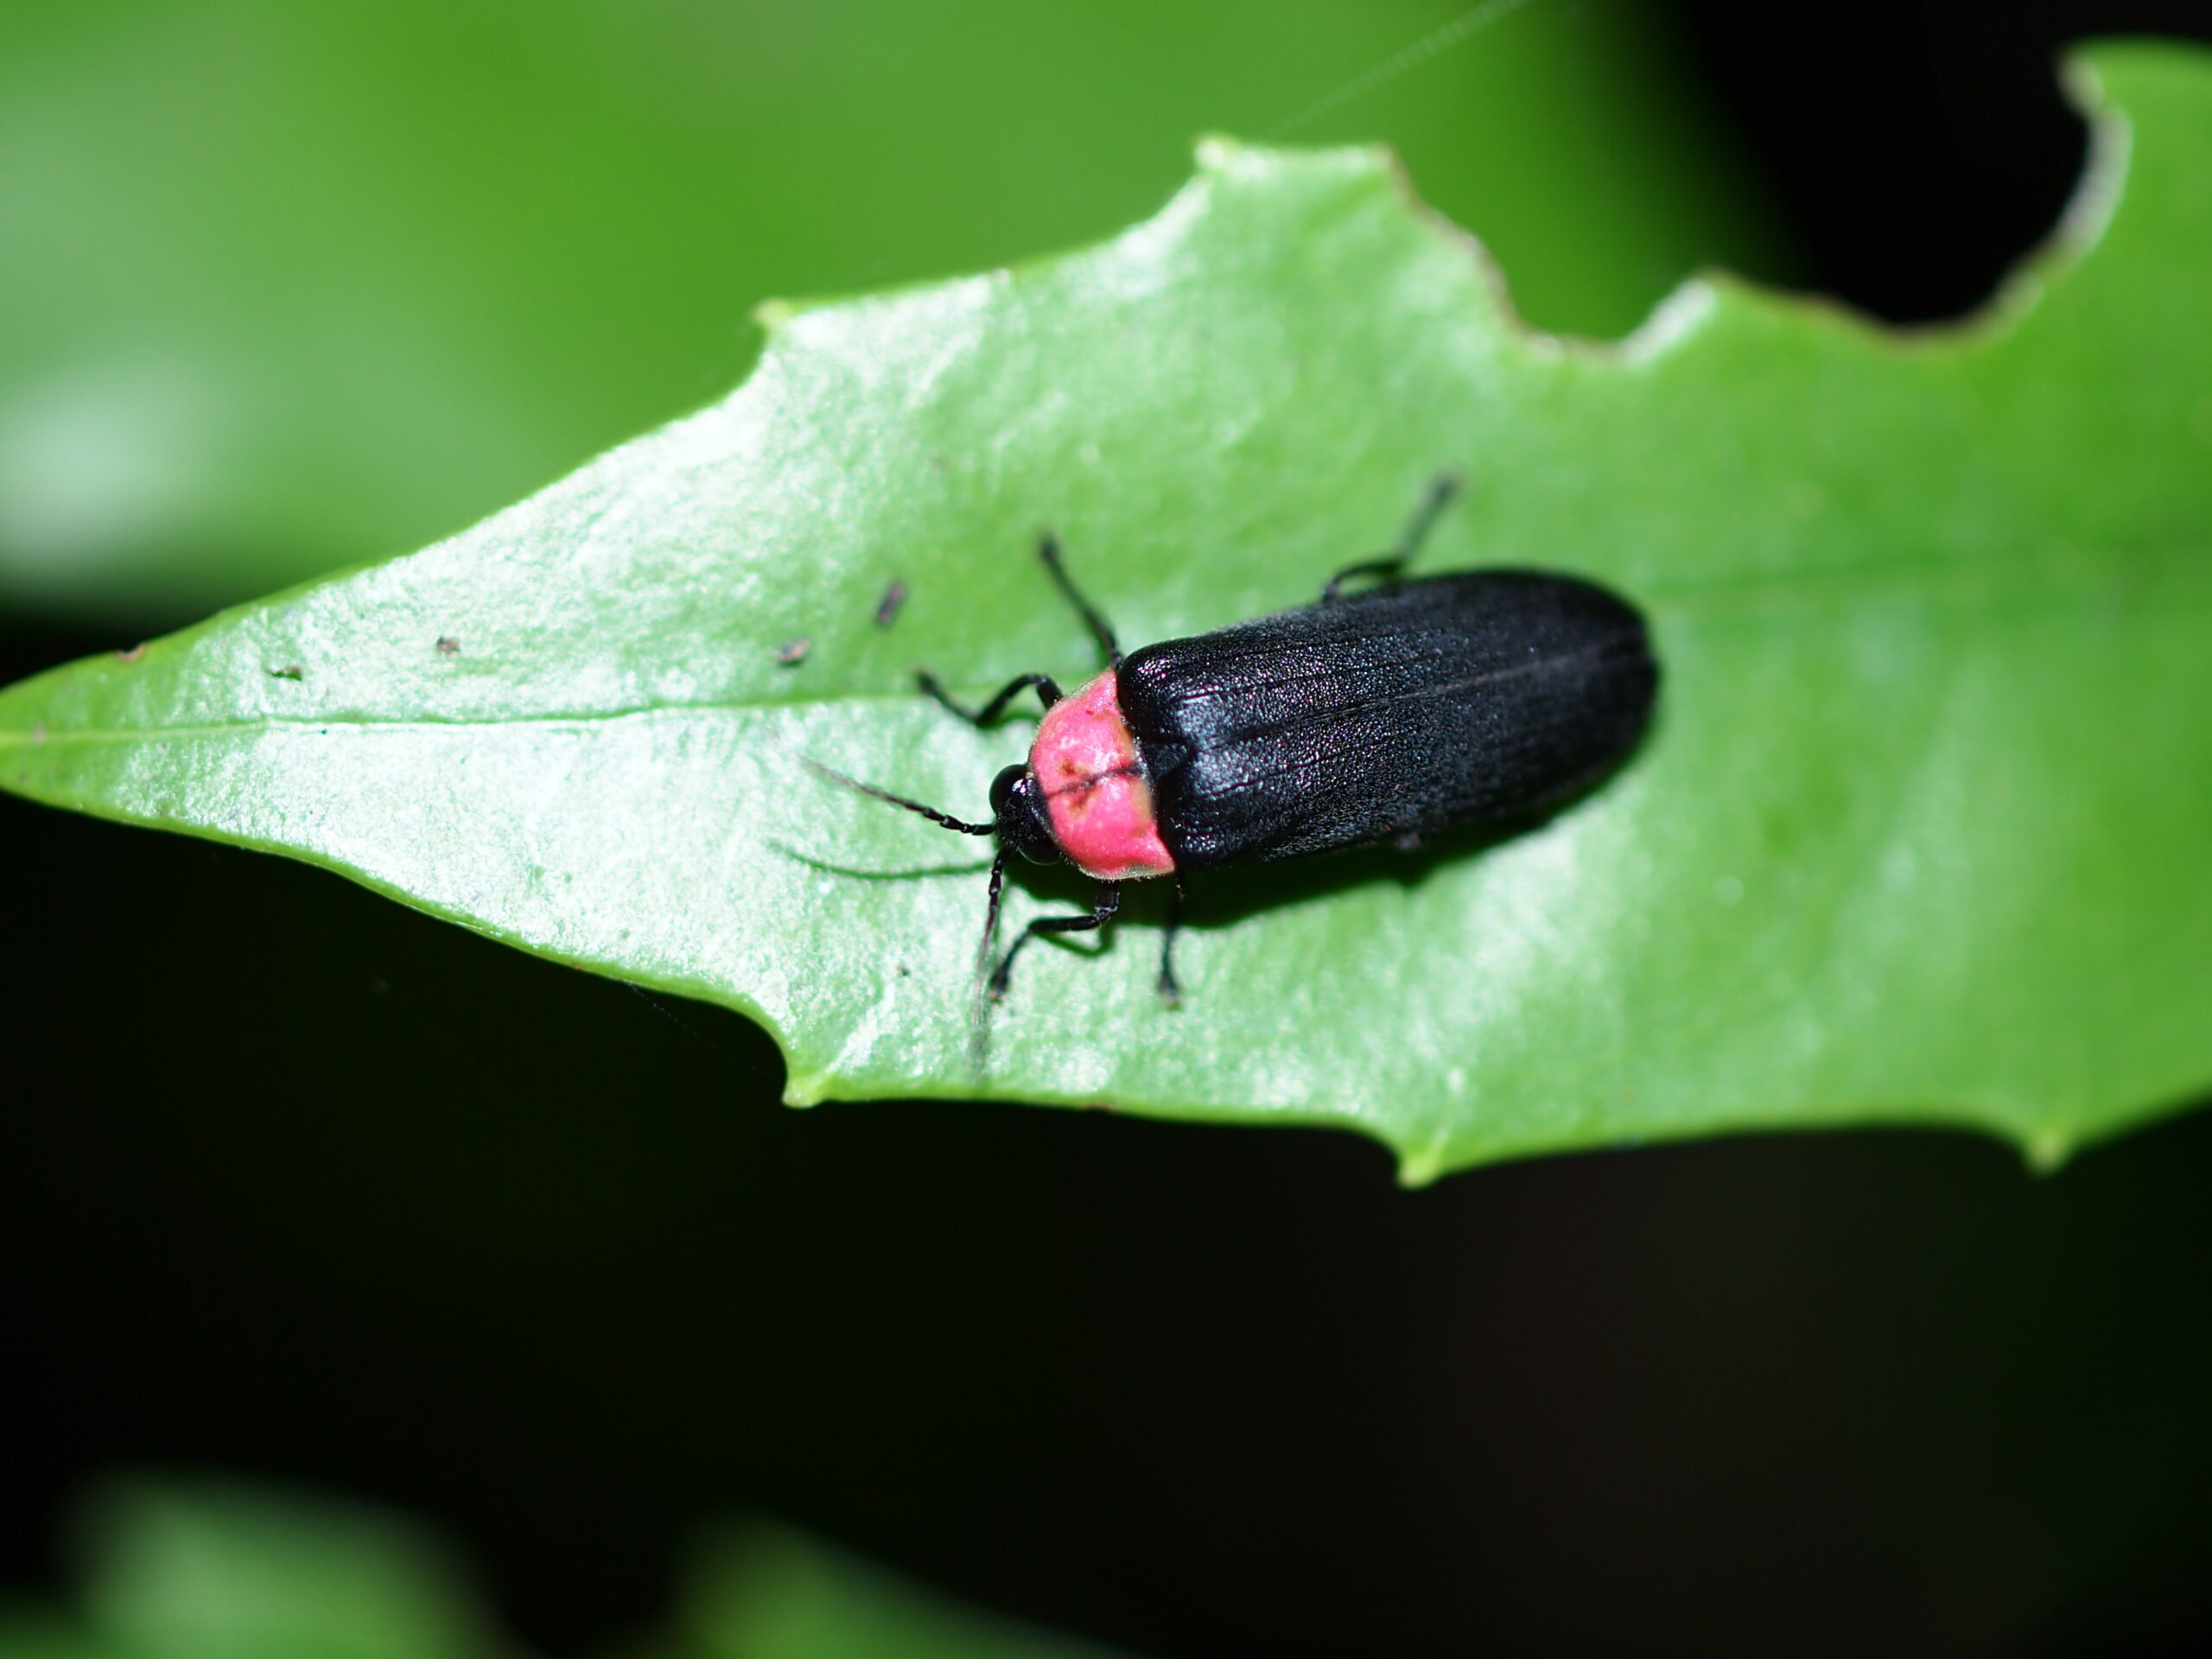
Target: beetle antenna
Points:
(929, 812)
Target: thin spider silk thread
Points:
(689, 1030)
(1438, 39)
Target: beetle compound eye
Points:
(1003, 785)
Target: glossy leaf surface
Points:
(1919, 835)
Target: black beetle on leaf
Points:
(1385, 715)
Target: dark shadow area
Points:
(1916, 149)
(1223, 897)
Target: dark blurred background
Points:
(296, 1183)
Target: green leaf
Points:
(1919, 835)
(216, 1571)
(287, 287)
(770, 1592)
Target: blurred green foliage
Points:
(769, 1592)
(216, 1571)
(219, 1570)
(289, 287)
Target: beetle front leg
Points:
(1048, 693)
(1104, 901)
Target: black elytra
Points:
(1386, 715)
(1390, 715)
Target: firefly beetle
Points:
(1381, 717)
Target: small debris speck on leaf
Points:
(793, 652)
(448, 645)
(133, 654)
(886, 608)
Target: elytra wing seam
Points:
(1422, 694)
(1249, 782)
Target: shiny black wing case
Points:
(1422, 706)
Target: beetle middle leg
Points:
(1105, 899)
(1048, 549)
(1392, 565)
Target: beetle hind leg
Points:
(1171, 988)
(1392, 565)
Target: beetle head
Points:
(1018, 806)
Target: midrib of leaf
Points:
(548, 722)
(2050, 576)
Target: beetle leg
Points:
(1333, 589)
(1170, 992)
(1392, 565)
(1104, 901)
(1048, 550)
(1048, 693)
